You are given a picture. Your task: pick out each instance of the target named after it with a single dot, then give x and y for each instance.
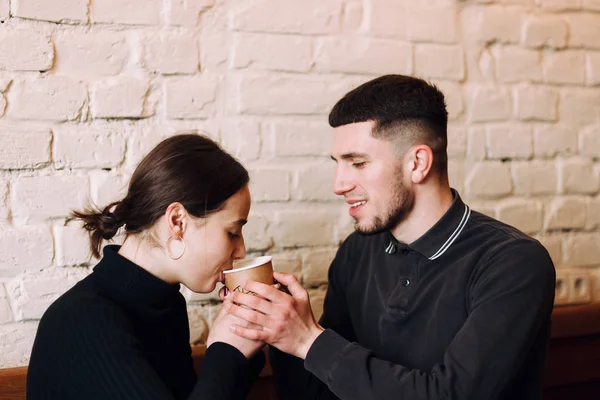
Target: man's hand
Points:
(286, 321)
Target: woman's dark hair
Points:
(404, 108)
(186, 168)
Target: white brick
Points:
(315, 182)
(525, 215)
(81, 147)
(307, 227)
(485, 24)
(593, 213)
(534, 178)
(585, 30)
(363, 55)
(579, 107)
(551, 140)
(269, 184)
(456, 174)
(256, 236)
(307, 17)
(4, 10)
(566, 213)
(16, 340)
(257, 94)
(5, 311)
(441, 26)
(33, 294)
(536, 103)
(476, 143)
(300, 138)
(454, 97)
(315, 266)
(554, 246)
(593, 68)
(353, 16)
(90, 53)
(481, 65)
(288, 262)
(540, 31)
(198, 325)
(42, 197)
(564, 67)
(241, 138)
(582, 249)
(427, 61)
(24, 48)
(107, 187)
(489, 180)
(53, 98)
(389, 19)
(67, 10)
(264, 52)
(4, 208)
(3, 104)
(5, 82)
(72, 244)
(509, 141)
(170, 53)
(187, 12)
(577, 176)
(593, 5)
(457, 141)
(488, 103)
(190, 97)
(122, 97)
(26, 248)
(131, 12)
(514, 64)
(21, 149)
(589, 141)
(560, 5)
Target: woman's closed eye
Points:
(233, 236)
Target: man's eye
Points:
(359, 164)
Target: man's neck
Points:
(430, 206)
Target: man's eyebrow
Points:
(350, 156)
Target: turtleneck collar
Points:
(130, 283)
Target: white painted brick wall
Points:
(88, 87)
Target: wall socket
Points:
(573, 286)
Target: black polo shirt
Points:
(461, 313)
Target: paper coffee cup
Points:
(259, 269)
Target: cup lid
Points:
(250, 263)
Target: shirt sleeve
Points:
(511, 305)
(108, 362)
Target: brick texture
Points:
(87, 88)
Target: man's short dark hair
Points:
(405, 109)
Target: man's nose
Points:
(341, 183)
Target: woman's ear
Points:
(177, 219)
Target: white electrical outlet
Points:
(561, 295)
(580, 290)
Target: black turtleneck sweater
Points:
(122, 333)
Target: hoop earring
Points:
(169, 252)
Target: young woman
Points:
(122, 333)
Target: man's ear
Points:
(177, 219)
(421, 162)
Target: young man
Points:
(428, 299)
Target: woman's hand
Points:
(220, 332)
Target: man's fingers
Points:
(255, 302)
(267, 291)
(248, 333)
(292, 284)
(252, 316)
